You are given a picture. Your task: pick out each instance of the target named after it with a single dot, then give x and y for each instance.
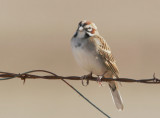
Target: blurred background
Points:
(35, 34)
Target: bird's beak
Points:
(80, 29)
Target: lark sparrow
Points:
(93, 54)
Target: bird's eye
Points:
(89, 29)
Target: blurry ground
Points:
(36, 35)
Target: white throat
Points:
(81, 34)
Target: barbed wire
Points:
(53, 76)
(26, 75)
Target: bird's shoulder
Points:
(105, 52)
(102, 47)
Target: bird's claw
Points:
(85, 77)
(99, 81)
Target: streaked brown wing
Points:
(105, 52)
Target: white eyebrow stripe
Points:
(87, 26)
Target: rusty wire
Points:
(27, 75)
(53, 76)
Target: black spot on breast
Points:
(78, 45)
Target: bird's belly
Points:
(89, 61)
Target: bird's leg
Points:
(99, 79)
(86, 77)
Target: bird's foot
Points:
(99, 81)
(85, 77)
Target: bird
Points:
(93, 54)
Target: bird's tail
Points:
(116, 95)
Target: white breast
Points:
(88, 60)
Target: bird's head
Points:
(86, 29)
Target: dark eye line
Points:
(89, 29)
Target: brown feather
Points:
(105, 51)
